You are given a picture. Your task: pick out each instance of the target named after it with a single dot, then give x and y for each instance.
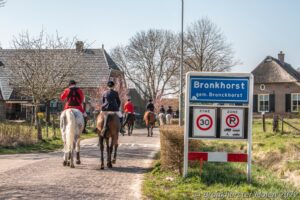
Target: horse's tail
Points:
(71, 129)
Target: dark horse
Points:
(113, 124)
(149, 118)
(130, 122)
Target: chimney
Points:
(79, 46)
(281, 57)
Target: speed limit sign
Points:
(204, 122)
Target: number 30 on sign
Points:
(204, 124)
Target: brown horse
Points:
(113, 124)
(149, 118)
(130, 123)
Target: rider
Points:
(111, 102)
(129, 110)
(150, 106)
(75, 97)
(162, 109)
(170, 111)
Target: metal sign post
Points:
(218, 106)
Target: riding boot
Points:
(105, 128)
(122, 127)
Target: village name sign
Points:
(218, 106)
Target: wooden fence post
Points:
(275, 123)
(264, 121)
(53, 124)
(282, 125)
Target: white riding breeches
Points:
(117, 112)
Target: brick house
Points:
(98, 65)
(276, 87)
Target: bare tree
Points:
(149, 62)
(40, 67)
(206, 48)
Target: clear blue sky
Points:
(256, 28)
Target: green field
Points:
(275, 157)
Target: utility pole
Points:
(181, 70)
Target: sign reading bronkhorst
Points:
(204, 123)
(232, 123)
(218, 106)
(219, 89)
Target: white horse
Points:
(162, 119)
(71, 126)
(169, 118)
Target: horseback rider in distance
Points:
(128, 110)
(150, 106)
(74, 97)
(162, 109)
(111, 102)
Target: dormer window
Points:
(268, 60)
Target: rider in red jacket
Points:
(74, 97)
(128, 109)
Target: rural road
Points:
(42, 176)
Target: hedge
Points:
(172, 147)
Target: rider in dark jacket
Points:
(150, 106)
(162, 109)
(170, 111)
(111, 102)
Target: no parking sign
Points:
(204, 123)
(232, 123)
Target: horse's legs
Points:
(109, 152)
(78, 152)
(72, 158)
(101, 140)
(148, 129)
(128, 128)
(65, 159)
(152, 130)
(68, 158)
(115, 154)
(131, 128)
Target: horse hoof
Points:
(72, 166)
(68, 163)
(65, 163)
(78, 162)
(109, 165)
(113, 161)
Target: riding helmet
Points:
(72, 82)
(110, 84)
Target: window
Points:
(263, 103)
(295, 102)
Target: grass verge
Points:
(218, 181)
